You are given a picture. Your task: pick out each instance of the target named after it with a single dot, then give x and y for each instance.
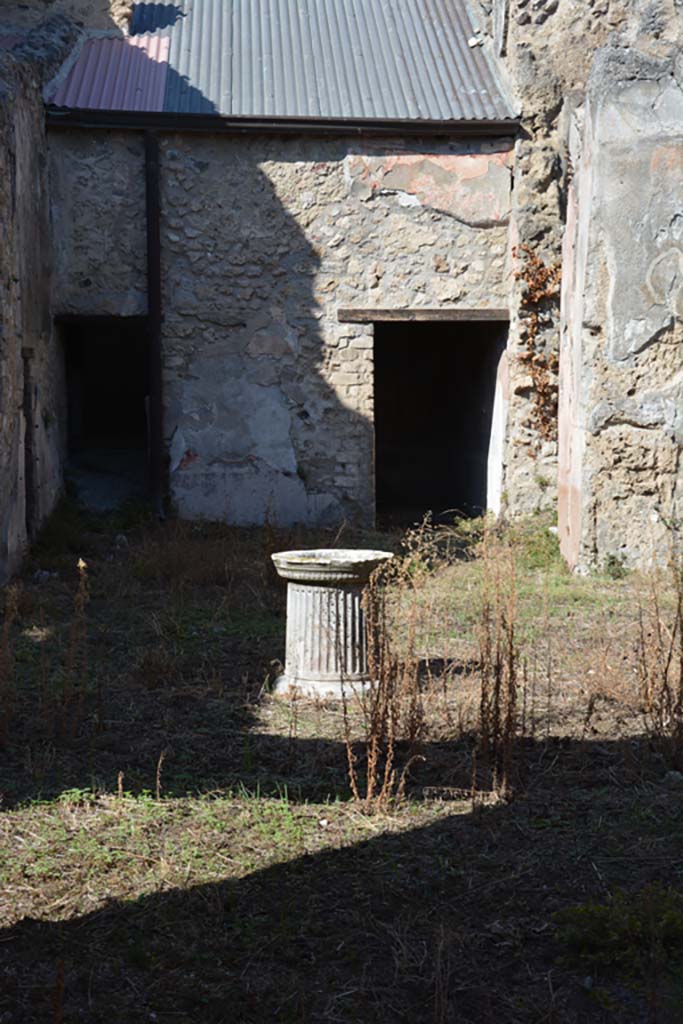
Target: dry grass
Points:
(177, 845)
(660, 660)
(391, 705)
(498, 725)
(402, 703)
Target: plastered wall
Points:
(621, 423)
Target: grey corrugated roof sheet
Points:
(403, 60)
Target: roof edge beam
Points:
(212, 123)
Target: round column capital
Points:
(332, 566)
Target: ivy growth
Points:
(540, 295)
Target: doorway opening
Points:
(107, 388)
(435, 391)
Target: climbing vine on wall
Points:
(540, 296)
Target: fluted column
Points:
(326, 642)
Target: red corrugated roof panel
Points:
(117, 74)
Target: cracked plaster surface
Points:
(472, 187)
(623, 322)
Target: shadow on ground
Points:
(451, 921)
(268, 895)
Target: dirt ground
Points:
(177, 845)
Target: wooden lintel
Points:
(104, 319)
(369, 316)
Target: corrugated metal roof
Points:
(117, 74)
(401, 60)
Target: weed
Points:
(614, 566)
(293, 731)
(157, 667)
(469, 531)
(70, 711)
(543, 481)
(535, 544)
(62, 533)
(639, 934)
(498, 724)
(391, 703)
(660, 663)
(160, 765)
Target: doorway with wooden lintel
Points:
(439, 414)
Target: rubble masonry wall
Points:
(27, 341)
(268, 397)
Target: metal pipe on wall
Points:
(154, 318)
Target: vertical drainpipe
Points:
(154, 319)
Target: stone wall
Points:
(619, 431)
(30, 386)
(91, 14)
(97, 197)
(547, 47)
(622, 415)
(268, 398)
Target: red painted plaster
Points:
(472, 186)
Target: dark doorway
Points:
(107, 384)
(434, 397)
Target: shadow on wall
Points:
(31, 387)
(255, 429)
(258, 432)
